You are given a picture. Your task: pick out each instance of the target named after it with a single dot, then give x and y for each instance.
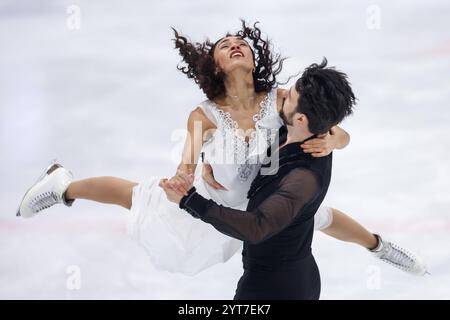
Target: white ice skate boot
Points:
(47, 191)
(397, 256)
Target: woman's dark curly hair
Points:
(200, 65)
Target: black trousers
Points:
(295, 281)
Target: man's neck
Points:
(296, 135)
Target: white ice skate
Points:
(400, 258)
(47, 191)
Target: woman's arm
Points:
(197, 127)
(341, 137)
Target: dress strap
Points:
(274, 96)
(209, 113)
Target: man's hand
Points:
(321, 146)
(208, 176)
(172, 189)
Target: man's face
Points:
(289, 106)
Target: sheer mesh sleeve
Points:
(274, 214)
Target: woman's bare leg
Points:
(102, 189)
(346, 229)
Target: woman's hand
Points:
(172, 194)
(325, 143)
(172, 189)
(321, 146)
(180, 182)
(208, 176)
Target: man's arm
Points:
(295, 191)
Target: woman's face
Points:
(231, 53)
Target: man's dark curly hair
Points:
(326, 97)
(200, 66)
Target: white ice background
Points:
(105, 99)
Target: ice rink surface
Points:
(105, 98)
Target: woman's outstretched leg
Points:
(56, 185)
(340, 226)
(344, 228)
(110, 190)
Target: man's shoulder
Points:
(299, 175)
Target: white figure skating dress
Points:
(176, 241)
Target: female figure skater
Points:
(239, 80)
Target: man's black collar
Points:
(289, 156)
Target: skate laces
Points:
(43, 201)
(398, 257)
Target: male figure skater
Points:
(277, 227)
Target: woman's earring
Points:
(253, 70)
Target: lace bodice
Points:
(234, 160)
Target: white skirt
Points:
(174, 240)
(177, 242)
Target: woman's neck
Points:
(240, 90)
